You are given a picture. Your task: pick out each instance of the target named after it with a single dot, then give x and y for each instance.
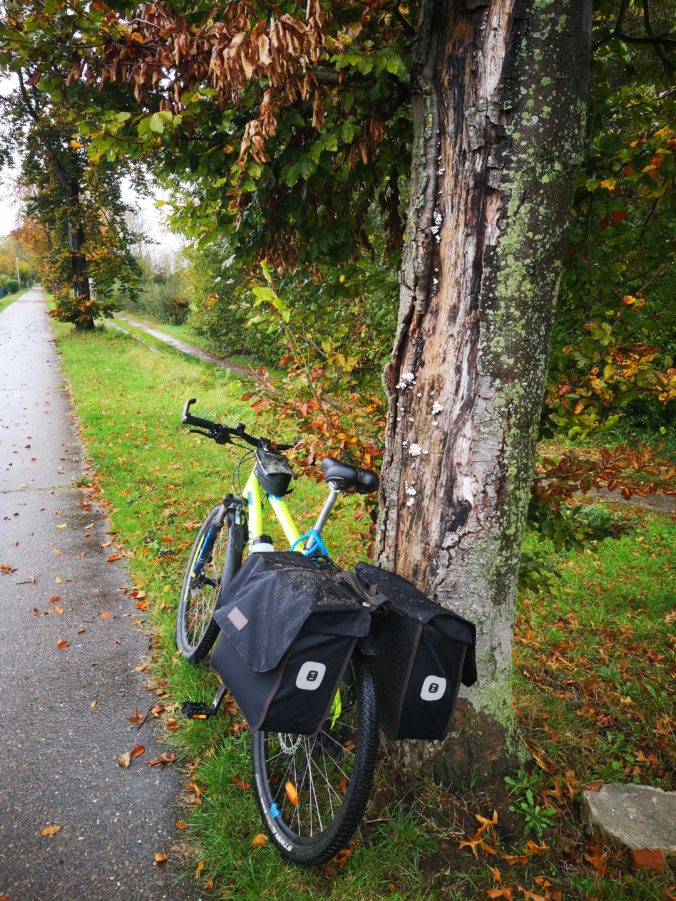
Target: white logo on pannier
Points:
(310, 675)
(433, 688)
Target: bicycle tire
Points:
(358, 723)
(196, 630)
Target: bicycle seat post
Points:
(324, 515)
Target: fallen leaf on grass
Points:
(62, 644)
(532, 896)
(193, 787)
(181, 824)
(598, 859)
(502, 892)
(157, 710)
(595, 786)
(160, 858)
(259, 840)
(533, 848)
(51, 830)
(241, 783)
(172, 725)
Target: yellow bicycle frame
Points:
(253, 495)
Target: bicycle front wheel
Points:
(215, 557)
(312, 790)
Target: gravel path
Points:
(191, 351)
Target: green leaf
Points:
(157, 123)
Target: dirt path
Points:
(224, 362)
(65, 708)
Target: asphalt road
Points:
(59, 749)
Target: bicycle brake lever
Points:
(200, 432)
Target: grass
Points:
(10, 298)
(590, 675)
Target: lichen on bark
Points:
(492, 185)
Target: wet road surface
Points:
(59, 749)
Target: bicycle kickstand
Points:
(198, 710)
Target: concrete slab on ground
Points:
(637, 816)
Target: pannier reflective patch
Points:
(237, 618)
(433, 688)
(310, 675)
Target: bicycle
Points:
(311, 790)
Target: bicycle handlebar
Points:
(222, 434)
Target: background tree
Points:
(17, 268)
(75, 199)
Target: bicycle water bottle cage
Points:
(344, 476)
(273, 472)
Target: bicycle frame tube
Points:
(253, 497)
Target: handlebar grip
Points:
(186, 409)
(188, 419)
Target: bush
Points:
(8, 283)
(161, 294)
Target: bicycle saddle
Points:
(344, 476)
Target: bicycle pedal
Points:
(196, 710)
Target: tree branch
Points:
(30, 108)
(666, 62)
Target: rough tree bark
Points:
(499, 98)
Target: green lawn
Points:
(590, 670)
(10, 298)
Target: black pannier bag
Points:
(288, 631)
(424, 653)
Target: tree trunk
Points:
(498, 105)
(78, 262)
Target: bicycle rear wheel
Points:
(215, 557)
(312, 790)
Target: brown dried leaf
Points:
(51, 830)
